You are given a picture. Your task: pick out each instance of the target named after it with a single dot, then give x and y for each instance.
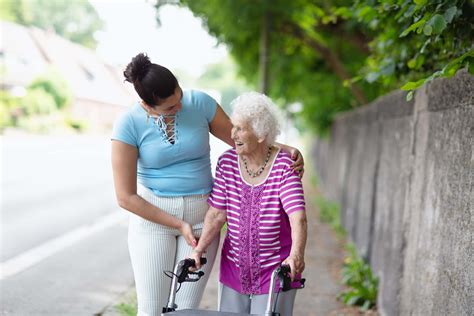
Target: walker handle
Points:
(192, 263)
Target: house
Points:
(99, 92)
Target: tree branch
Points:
(331, 59)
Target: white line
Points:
(37, 254)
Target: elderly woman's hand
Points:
(196, 255)
(296, 263)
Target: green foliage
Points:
(329, 212)
(127, 309)
(334, 55)
(52, 83)
(37, 101)
(298, 71)
(419, 40)
(41, 108)
(8, 109)
(358, 277)
(77, 125)
(75, 20)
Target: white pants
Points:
(156, 248)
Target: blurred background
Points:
(63, 238)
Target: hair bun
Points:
(137, 68)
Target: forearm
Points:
(213, 223)
(299, 233)
(137, 205)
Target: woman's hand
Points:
(187, 231)
(296, 155)
(298, 165)
(296, 263)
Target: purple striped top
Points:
(258, 235)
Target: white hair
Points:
(259, 112)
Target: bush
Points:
(53, 83)
(357, 275)
(9, 109)
(38, 101)
(329, 212)
(77, 125)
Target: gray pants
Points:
(232, 301)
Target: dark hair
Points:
(151, 81)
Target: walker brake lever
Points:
(183, 270)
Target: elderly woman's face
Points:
(244, 137)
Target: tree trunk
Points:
(264, 61)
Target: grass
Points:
(128, 307)
(329, 212)
(358, 277)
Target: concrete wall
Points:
(403, 175)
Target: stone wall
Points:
(403, 175)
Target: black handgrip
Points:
(285, 280)
(285, 268)
(191, 263)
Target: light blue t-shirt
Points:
(182, 168)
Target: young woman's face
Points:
(171, 105)
(244, 137)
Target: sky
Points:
(179, 43)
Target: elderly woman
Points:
(261, 199)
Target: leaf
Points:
(410, 95)
(353, 300)
(413, 27)
(366, 305)
(449, 14)
(413, 84)
(471, 68)
(438, 23)
(372, 76)
(427, 30)
(420, 2)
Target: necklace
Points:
(260, 170)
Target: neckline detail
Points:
(269, 172)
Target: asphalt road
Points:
(63, 238)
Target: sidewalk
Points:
(324, 258)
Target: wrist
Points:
(199, 251)
(297, 254)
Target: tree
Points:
(75, 20)
(334, 55)
(304, 53)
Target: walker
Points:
(182, 274)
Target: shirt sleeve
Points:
(124, 130)
(218, 197)
(291, 192)
(206, 105)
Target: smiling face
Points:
(244, 137)
(169, 106)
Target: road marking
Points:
(35, 255)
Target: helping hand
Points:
(298, 165)
(187, 231)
